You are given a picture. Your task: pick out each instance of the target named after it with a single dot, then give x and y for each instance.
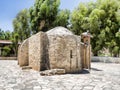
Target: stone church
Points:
(58, 48)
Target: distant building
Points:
(4, 43)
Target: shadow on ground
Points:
(87, 71)
(95, 69)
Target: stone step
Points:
(52, 72)
(26, 67)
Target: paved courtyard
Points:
(103, 76)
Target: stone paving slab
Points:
(103, 76)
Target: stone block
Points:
(52, 72)
(64, 52)
(38, 51)
(26, 67)
(23, 53)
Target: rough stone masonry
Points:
(58, 48)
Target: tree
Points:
(79, 19)
(6, 51)
(21, 25)
(102, 19)
(62, 18)
(95, 21)
(110, 25)
(2, 35)
(15, 42)
(5, 35)
(22, 30)
(45, 14)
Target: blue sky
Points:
(10, 8)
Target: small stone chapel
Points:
(57, 48)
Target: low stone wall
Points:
(105, 59)
(8, 58)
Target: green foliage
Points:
(15, 42)
(62, 18)
(6, 51)
(22, 30)
(79, 19)
(5, 35)
(45, 14)
(102, 18)
(12, 36)
(21, 25)
(2, 35)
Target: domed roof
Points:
(59, 31)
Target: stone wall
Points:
(86, 56)
(8, 58)
(105, 59)
(37, 51)
(64, 53)
(23, 53)
(82, 54)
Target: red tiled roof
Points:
(5, 42)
